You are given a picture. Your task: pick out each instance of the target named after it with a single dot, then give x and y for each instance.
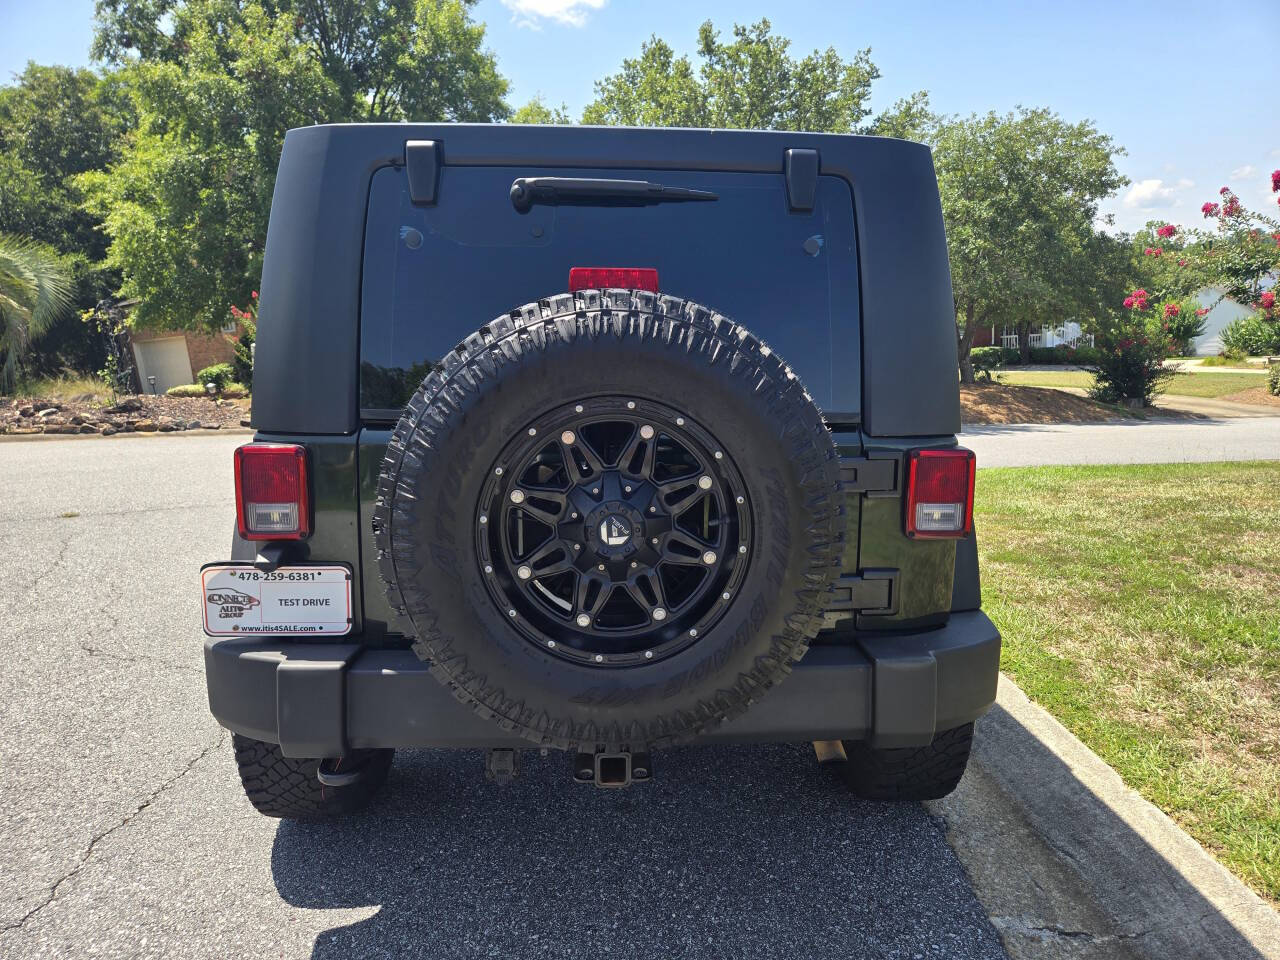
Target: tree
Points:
(34, 292)
(217, 84)
(1020, 194)
(536, 111)
(751, 82)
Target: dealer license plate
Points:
(311, 599)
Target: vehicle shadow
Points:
(750, 851)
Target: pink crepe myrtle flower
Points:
(1231, 208)
(1224, 191)
(1171, 310)
(254, 294)
(1209, 210)
(1168, 230)
(1149, 252)
(1275, 181)
(1182, 263)
(1128, 303)
(1267, 300)
(1202, 311)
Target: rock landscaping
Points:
(130, 414)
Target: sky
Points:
(1178, 85)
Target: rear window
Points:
(433, 275)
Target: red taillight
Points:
(598, 278)
(271, 492)
(940, 492)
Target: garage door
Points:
(166, 360)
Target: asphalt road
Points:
(123, 831)
(1159, 441)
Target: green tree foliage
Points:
(749, 82)
(35, 291)
(56, 123)
(1020, 194)
(536, 111)
(217, 83)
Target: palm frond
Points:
(35, 291)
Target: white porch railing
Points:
(1049, 338)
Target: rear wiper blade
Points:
(527, 191)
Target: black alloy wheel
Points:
(613, 531)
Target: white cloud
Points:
(1155, 194)
(1239, 173)
(531, 13)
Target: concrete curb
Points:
(1071, 863)
(50, 437)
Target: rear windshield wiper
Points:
(527, 191)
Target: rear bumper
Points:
(324, 699)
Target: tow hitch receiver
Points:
(612, 769)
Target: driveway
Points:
(125, 832)
(1151, 441)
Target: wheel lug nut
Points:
(583, 620)
(595, 489)
(679, 421)
(648, 654)
(577, 546)
(742, 548)
(533, 431)
(653, 509)
(725, 595)
(497, 471)
(659, 613)
(578, 408)
(551, 643)
(709, 557)
(524, 572)
(633, 564)
(646, 432)
(600, 568)
(574, 515)
(599, 658)
(719, 455)
(511, 612)
(704, 482)
(483, 518)
(631, 404)
(567, 437)
(693, 632)
(488, 568)
(517, 496)
(741, 499)
(627, 488)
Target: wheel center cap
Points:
(615, 531)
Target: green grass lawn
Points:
(1184, 385)
(1140, 606)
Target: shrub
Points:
(1273, 379)
(233, 390)
(219, 374)
(243, 362)
(187, 390)
(1082, 355)
(1253, 334)
(985, 360)
(1132, 348)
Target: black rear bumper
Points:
(323, 699)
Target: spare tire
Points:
(609, 520)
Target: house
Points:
(174, 357)
(1067, 334)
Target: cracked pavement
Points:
(125, 832)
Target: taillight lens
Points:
(271, 491)
(598, 278)
(940, 492)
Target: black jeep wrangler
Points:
(599, 440)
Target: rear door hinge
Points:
(867, 475)
(422, 164)
(873, 592)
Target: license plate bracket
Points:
(303, 599)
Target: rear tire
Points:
(287, 787)
(908, 773)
